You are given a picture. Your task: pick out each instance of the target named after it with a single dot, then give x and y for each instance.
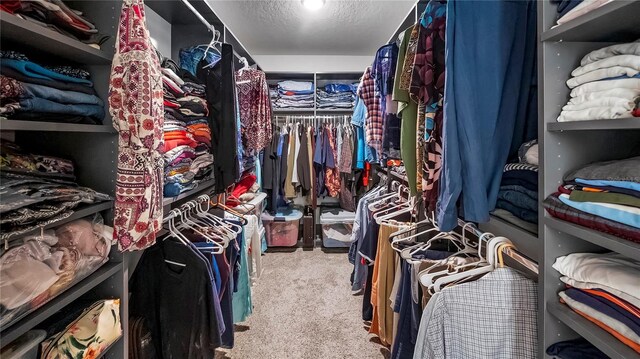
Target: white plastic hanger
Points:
(485, 266)
(214, 41)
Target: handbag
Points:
(89, 335)
(140, 342)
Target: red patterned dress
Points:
(136, 105)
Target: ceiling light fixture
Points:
(313, 4)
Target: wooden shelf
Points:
(17, 125)
(617, 124)
(202, 187)
(41, 39)
(604, 341)
(65, 298)
(616, 21)
(616, 244)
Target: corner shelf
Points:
(616, 21)
(202, 187)
(42, 39)
(63, 299)
(604, 341)
(17, 125)
(632, 123)
(616, 244)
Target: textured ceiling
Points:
(341, 27)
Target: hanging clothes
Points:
(332, 173)
(383, 72)
(374, 120)
(303, 162)
(427, 89)
(480, 144)
(255, 108)
(221, 99)
(136, 106)
(408, 111)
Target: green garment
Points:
(408, 112)
(605, 197)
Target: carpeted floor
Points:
(304, 309)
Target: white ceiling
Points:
(285, 27)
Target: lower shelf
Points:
(604, 341)
(65, 298)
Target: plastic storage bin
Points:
(25, 347)
(337, 225)
(282, 229)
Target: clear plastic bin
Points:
(337, 225)
(282, 229)
(25, 347)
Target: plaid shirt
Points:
(502, 327)
(374, 120)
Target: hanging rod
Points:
(200, 17)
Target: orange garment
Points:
(611, 331)
(171, 144)
(382, 284)
(589, 189)
(612, 298)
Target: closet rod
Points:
(200, 17)
(511, 252)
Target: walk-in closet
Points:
(270, 179)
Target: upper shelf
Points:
(41, 39)
(616, 244)
(202, 187)
(177, 13)
(617, 124)
(616, 21)
(16, 125)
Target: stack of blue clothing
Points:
(518, 195)
(58, 94)
(337, 96)
(292, 94)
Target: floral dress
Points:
(136, 105)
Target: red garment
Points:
(332, 175)
(365, 176)
(255, 108)
(168, 103)
(10, 6)
(374, 120)
(171, 144)
(244, 184)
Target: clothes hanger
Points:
(230, 210)
(204, 213)
(173, 232)
(207, 235)
(483, 267)
(245, 65)
(214, 41)
(225, 232)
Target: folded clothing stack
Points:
(604, 196)
(575, 349)
(57, 16)
(187, 134)
(606, 85)
(31, 202)
(518, 196)
(15, 160)
(336, 96)
(40, 266)
(292, 94)
(58, 94)
(603, 288)
(571, 9)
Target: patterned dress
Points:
(136, 105)
(255, 108)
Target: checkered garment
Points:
(374, 120)
(494, 317)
